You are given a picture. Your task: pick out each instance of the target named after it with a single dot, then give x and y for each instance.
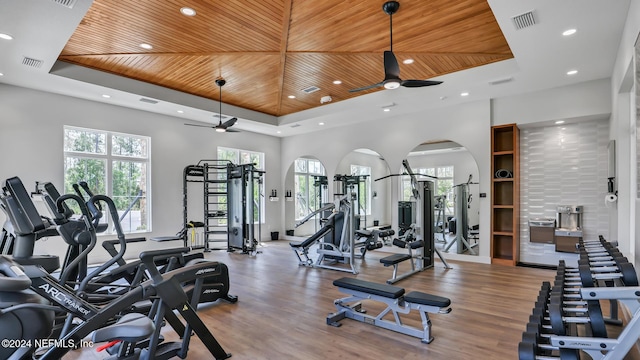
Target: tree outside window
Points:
(112, 164)
(443, 184)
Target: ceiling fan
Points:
(391, 69)
(222, 126)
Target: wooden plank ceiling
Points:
(267, 50)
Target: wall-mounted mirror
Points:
(454, 172)
(357, 171)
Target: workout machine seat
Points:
(394, 259)
(397, 303)
(301, 249)
(388, 291)
(131, 327)
(417, 297)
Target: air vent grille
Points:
(295, 125)
(500, 81)
(66, 3)
(524, 20)
(311, 89)
(148, 101)
(31, 62)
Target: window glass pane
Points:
(129, 146)
(429, 171)
(85, 141)
(245, 157)
(301, 191)
(129, 194)
(228, 154)
(445, 171)
(92, 171)
(301, 165)
(256, 159)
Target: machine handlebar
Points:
(12, 278)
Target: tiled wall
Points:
(562, 165)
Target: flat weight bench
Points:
(397, 303)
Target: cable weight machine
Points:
(243, 208)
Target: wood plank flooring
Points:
(282, 309)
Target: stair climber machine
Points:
(29, 295)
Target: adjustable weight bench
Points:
(397, 301)
(301, 249)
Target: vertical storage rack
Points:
(505, 195)
(213, 176)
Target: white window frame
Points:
(109, 159)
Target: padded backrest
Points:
(20, 209)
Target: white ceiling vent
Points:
(31, 62)
(66, 3)
(295, 125)
(524, 20)
(148, 101)
(501, 81)
(311, 89)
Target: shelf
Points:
(505, 241)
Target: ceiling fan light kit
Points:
(391, 68)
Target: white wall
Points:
(563, 165)
(31, 142)
(466, 124)
(623, 130)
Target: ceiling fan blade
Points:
(420, 83)
(391, 67)
(366, 87)
(207, 126)
(228, 123)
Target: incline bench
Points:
(397, 303)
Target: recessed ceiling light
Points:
(106, 96)
(6, 36)
(180, 112)
(569, 32)
(560, 122)
(146, 46)
(291, 96)
(188, 11)
(464, 94)
(278, 132)
(572, 72)
(1, 74)
(320, 123)
(337, 82)
(443, 97)
(407, 61)
(386, 109)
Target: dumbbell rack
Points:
(567, 319)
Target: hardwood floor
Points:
(282, 308)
